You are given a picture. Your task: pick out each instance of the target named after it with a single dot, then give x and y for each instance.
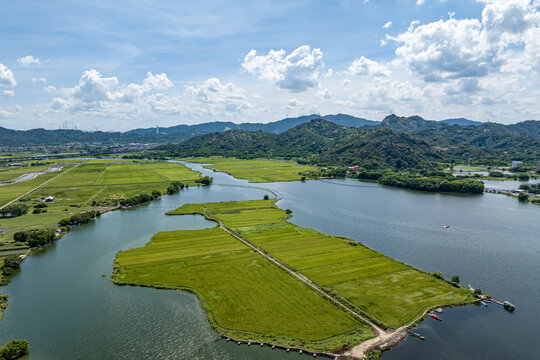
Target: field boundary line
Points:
(93, 196)
(339, 263)
(42, 185)
(367, 277)
(101, 175)
(155, 172)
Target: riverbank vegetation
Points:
(244, 295)
(389, 292)
(14, 350)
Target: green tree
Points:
(455, 279)
(14, 210)
(14, 350)
(288, 211)
(156, 194)
(438, 275)
(523, 197)
(265, 197)
(523, 177)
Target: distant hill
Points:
(383, 148)
(461, 122)
(187, 131)
(317, 141)
(10, 137)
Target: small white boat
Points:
(439, 310)
(446, 226)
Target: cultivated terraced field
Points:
(389, 292)
(244, 294)
(256, 170)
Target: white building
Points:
(516, 164)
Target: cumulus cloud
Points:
(8, 93)
(95, 93)
(296, 72)
(346, 83)
(217, 98)
(6, 76)
(387, 25)
(28, 61)
(459, 48)
(364, 66)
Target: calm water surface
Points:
(63, 306)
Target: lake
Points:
(63, 306)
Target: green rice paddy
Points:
(245, 296)
(84, 185)
(391, 293)
(257, 170)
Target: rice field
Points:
(257, 171)
(87, 185)
(389, 292)
(245, 296)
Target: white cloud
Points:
(216, 98)
(6, 76)
(420, 2)
(364, 66)
(458, 48)
(97, 94)
(28, 61)
(8, 93)
(324, 94)
(39, 80)
(387, 25)
(5, 114)
(346, 83)
(296, 72)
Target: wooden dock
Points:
(275, 346)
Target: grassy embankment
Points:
(257, 170)
(387, 291)
(92, 185)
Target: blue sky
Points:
(117, 65)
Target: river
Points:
(63, 306)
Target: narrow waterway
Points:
(63, 306)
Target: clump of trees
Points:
(205, 180)
(35, 238)
(174, 187)
(14, 210)
(79, 219)
(432, 184)
(438, 275)
(11, 264)
(523, 197)
(136, 200)
(156, 194)
(265, 197)
(14, 350)
(523, 177)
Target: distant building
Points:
(354, 168)
(538, 166)
(517, 164)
